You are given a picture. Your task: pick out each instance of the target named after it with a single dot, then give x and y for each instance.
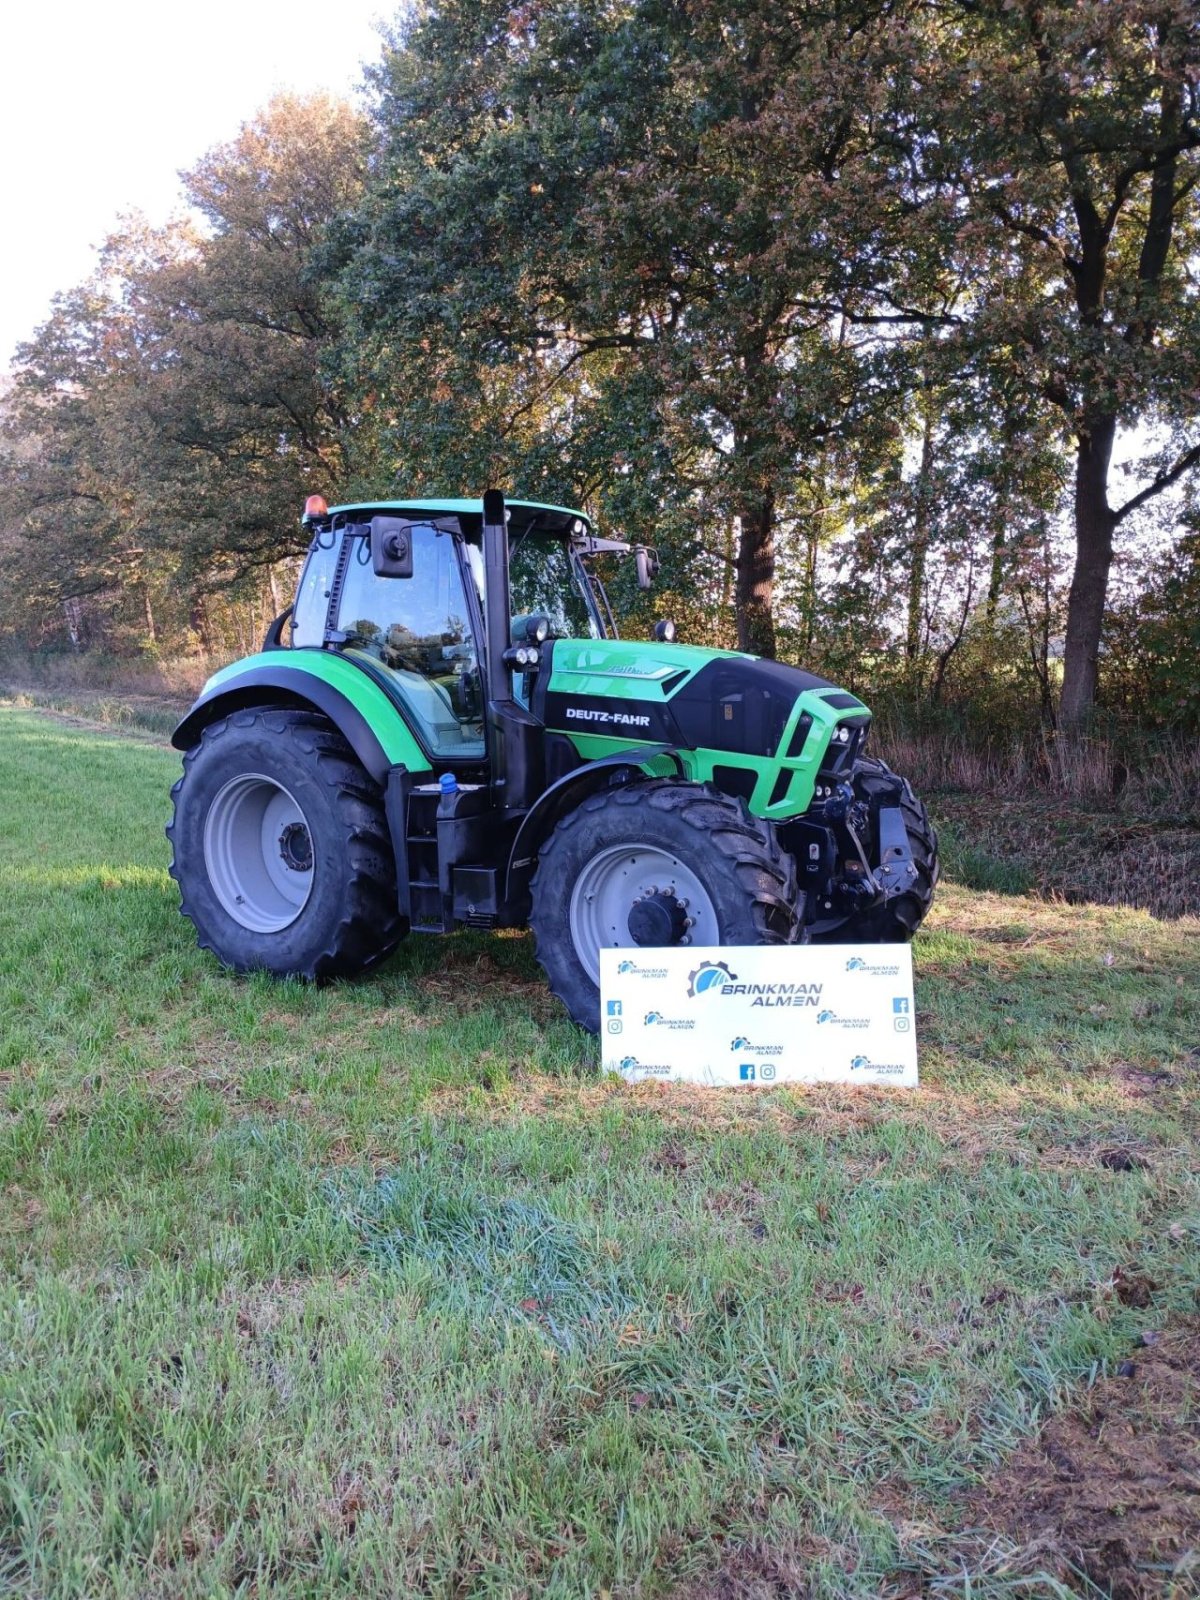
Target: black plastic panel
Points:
(737, 780)
(740, 705)
(619, 719)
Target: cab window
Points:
(542, 578)
(419, 629)
(312, 597)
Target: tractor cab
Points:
(401, 589)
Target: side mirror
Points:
(391, 547)
(647, 565)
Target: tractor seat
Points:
(432, 713)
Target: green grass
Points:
(380, 1290)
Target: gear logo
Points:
(626, 966)
(825, 1016)
(709, 975)
(652, 1017)
(877, 969)
(859, 1063)
(743, 1046)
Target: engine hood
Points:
(681, 695)
(647, 661)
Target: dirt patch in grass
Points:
(1112, 1489)
(758, 1569)
(973, 1128)
(473, 981)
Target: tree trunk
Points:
(726, 585)
(1004, 489)
(1089, 585)
(916, 588)
(811, 549)
(996, 579)
(148, 611)
(756, 578)
(920, 544)
(754, 502)
(198, 622)
(73, 612)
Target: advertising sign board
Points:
(761, 1014)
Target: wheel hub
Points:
(295, 847)
(258, 853)
(638, 895)
(657, 919)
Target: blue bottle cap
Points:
(448, 783)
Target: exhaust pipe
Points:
(497, 595)
(515, 737)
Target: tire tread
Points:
(749, 846)
(373, 926)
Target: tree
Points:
(1069, 131)
(173, 409)
(596, 246)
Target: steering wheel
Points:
(468, 695)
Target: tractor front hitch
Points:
(863, 884)
(897, 871)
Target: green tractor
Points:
(454, 735)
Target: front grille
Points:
(840, 758)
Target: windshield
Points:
(544, 577)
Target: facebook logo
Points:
(614, 1008)
(901, 1005)
(746, 1072)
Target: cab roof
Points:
(555, 519)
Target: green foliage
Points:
(1154, 641)
(602, 291)
(170, 417)
(843, 309)
(975, 867)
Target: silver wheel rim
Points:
(256, 843)
(610, 884)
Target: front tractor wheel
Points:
(656, 864)
(281, 849)
(896, 919)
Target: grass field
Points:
(381, 1290)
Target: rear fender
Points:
(541, 819)
(356, 705)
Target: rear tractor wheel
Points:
(655, 865)
(281, 848)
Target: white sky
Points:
(104, 103)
